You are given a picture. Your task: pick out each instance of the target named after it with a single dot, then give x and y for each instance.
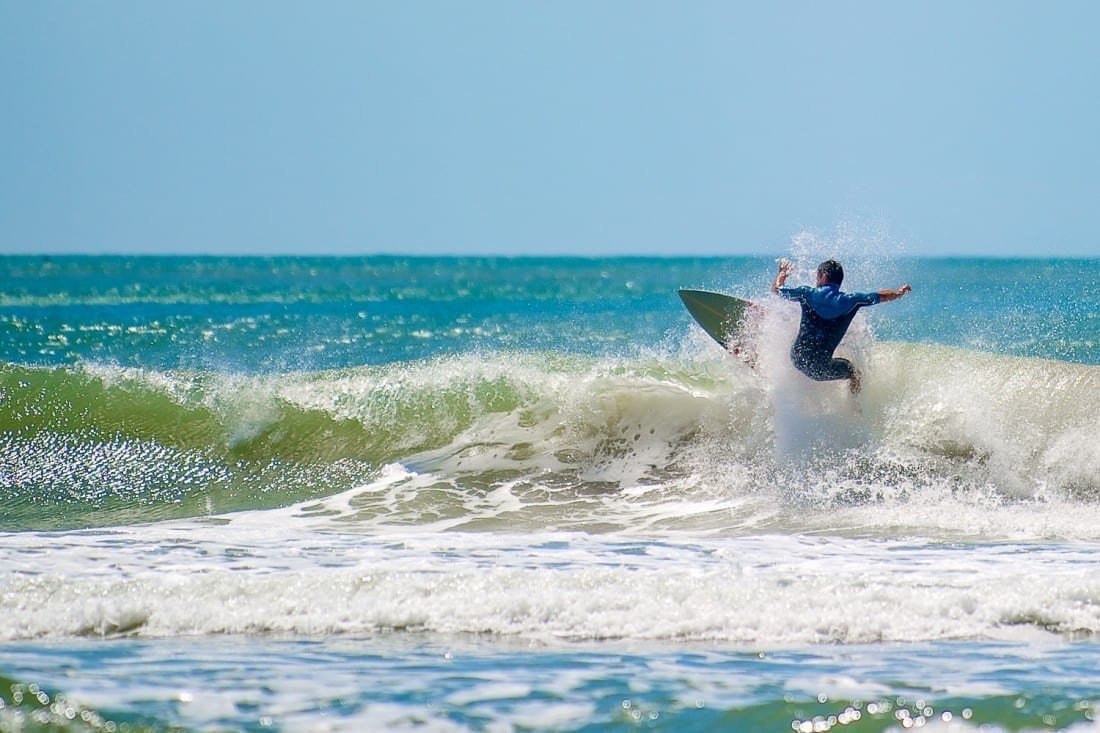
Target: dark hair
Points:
(833, 272)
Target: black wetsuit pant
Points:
(823, 370)
(812, 352)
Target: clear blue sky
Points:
(556, 126)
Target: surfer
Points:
(826, 314)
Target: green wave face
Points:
(85, 449)
(94, 445)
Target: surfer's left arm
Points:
(885, 296)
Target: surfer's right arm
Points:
(785, 268)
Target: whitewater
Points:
(509, 494)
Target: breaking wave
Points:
(592, 443)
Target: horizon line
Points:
(526, 256)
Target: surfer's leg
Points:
(854, 381)
(829, 370)
(839, 368)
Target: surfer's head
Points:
(830, 272)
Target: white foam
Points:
(188, 579)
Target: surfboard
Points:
(721, 316)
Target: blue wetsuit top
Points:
(826, 315)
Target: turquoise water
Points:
(388, 683)
(528, 494)
(258, 315)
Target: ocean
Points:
(529, 494)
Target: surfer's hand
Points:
(886, 296)
(785, 268)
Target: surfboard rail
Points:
(723, 317)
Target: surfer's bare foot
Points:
(853, 382)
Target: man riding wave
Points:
(826, 314)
